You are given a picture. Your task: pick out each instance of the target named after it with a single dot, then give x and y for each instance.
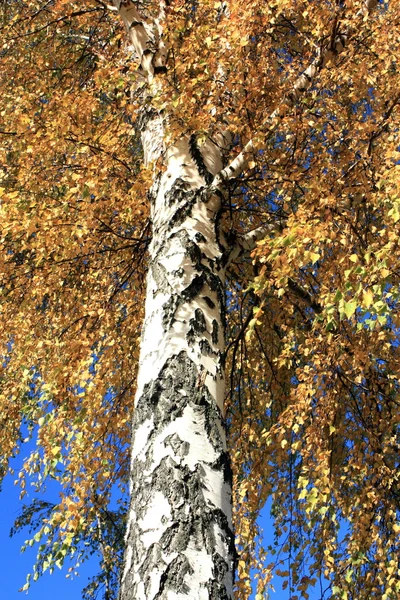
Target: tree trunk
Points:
(179, 534)
(179, 539)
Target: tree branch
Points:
(247, 242)
(336, 45)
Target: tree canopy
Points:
(309, 92)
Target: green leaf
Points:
(349, 308)
(349, 574)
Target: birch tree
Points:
(200, 223)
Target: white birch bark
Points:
(179, 532)
(179, 539)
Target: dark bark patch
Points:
(153, 556)
(223, 464)
(193, 251)
(209, 302)
(179, 272)
(206, 348)
(180, 194)
(215, 331)
(216, 587)
(179, 447)
(200, 238)
(162, 398)
(160, 69)
(169, 309)
(198, 160)
(193, 289)
(197, 326)
(173, 577)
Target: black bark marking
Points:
(144, 117)
(216, 588)
(200, 238)
(179, 447)
(215, 331)
(169, 309)
(209, 302)
(192, 250)
(160, 69)
(197, 326)
(206, 348)
(198, 160)
(193, 289)
(181, 196)
(172, 578)
(179, 272)
(223, 463)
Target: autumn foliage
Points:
(313, 319)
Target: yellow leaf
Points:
(368, 298)
(314, 257)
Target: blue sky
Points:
(16, 565)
